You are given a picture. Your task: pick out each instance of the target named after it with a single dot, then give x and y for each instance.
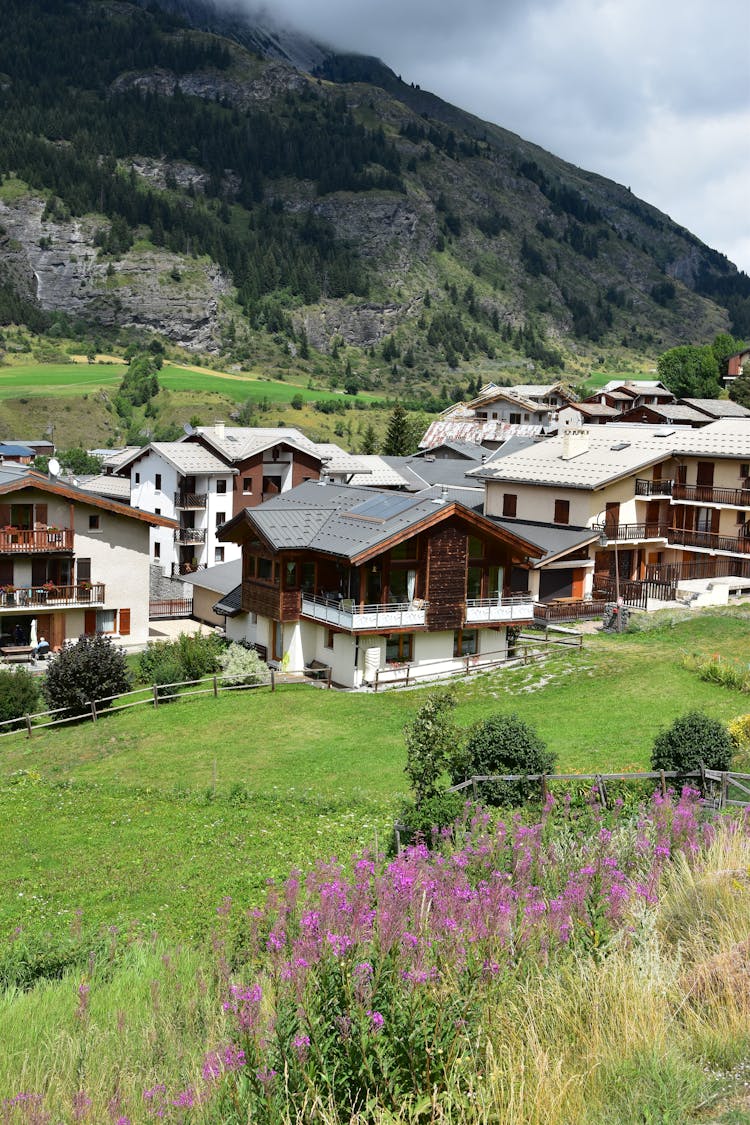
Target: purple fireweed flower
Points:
(224, 1059)
(82, 1103)
(301, 1044)
(266, 1076)
(376, 1020)
(185, 1099)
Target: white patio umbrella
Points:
(32, 633)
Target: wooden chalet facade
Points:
(365, 580)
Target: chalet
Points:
(497, 413)
(365, 581)
(736, 364)
(70, 561)
(670, 504)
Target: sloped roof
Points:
(188, 458)
(231, 604)
(553, 540)
(117, 457)
(717, 407)
(15, 478)
(380, 472)
(220, 578)
(237, 443)
(349, 523)
(106, 484)
(15, 449)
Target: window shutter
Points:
(89, 622)
(4, 515)
(124, 622)
(40, 514)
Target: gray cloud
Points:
(652, 94)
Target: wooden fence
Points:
(151, 696)
(170, 607)
(715, 786)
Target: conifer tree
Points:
(397, 438)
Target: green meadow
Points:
(152, 815)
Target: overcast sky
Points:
(652, 93)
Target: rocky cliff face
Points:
(58, 263)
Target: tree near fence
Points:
(92, 669)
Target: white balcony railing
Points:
(518, 607)
(353, 616)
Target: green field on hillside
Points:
(154, 815)
(22, 379)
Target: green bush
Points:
(93, 668)
(428, 818)
(430, 743)
(19, 695)
(503, 744)
(692, 738)
(190, 657)
(242, 665)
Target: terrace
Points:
(707, 494)
(31, 541)
(61, 597)
(635, 532)
(190, 535)
(499, 611)
(710, 541)
(190, 500)
(353, 616)
(654, 487)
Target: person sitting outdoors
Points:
(42, 649)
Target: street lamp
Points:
(604, 542)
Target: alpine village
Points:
(374, 602)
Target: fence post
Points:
(724, 789)
(703, 778)
(28, 725)
(330, 677)
(273, 680)
(93, 710)
(156, 696)
(474, 787)
(663, 783)
(216, 687)
(545, 789)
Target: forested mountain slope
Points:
(160, 176)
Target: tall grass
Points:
(588, 969)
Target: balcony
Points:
(654, 487)
(190, 535)
(47, 597)
(18, 541)
(190, 501)
(710, 541)
(635, 532)
(707, 494)
(354, 616)
(499, 611)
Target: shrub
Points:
(93, 668)
(431, 815)
(242, 665)
(739, 732)
(503, 744)
(19, 694)
(190, 657)
(692, 738)
(430, 743)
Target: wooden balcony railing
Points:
(33, 597)
(707, 494)
(188, 500)
(14, 540)
(653, 487)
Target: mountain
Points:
(241, 190)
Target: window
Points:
(399, 648)
(157, 482)
(510, 504)
(741, 518)
(221, 487)
(515, 419)
(465, 642)
(308, 577)
(137, 478)
(157, 511)
(330, 634)
(83, 570)
(745, 470)
(290, 575)
(218, 554)
(264, 569)
(476, 547)
(157, 550)
(221, 517)
(106, 620)
(562, 511)
(94, 523)
(247, 486)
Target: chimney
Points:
(219, 431)
(574, 442)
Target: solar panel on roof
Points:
(381, 508)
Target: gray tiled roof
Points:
(553, 540)
(231, 604)
(108, 485)
(237, 443)
(220, 578)
(188, 458)
(717, 407)
(336, 519)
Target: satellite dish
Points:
(54, 467)
(188, 429)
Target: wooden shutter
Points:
(6, 572)
(38, 572)
(124, 622)
(4, 515)
(40, 514)
(89, 622)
